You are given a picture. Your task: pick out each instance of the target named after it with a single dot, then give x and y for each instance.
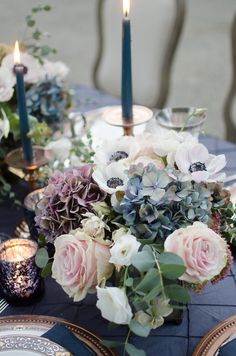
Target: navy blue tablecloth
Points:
(217, 303)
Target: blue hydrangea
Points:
(47, 101)
(154, 205)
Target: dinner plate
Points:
(16, 329)
(28, 345)
(220, 335)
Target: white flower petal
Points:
(182, 159)
(200, 176)
(216, 163)
(198, 153)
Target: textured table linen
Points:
(217, 303)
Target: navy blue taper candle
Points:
(20, 70)
(126, 95)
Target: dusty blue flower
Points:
(154, 206)
(47, 101)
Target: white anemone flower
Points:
(34, 68)
(147, 142)
(60, 148)
(57, 70)
(4, 126)
(155, 160)
(125, 149)
(195, 162)
(169, 141)
(7, 82)
(111, 178)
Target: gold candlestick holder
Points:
(113, 116)
(28, 170)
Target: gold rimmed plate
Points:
(33, 326)
(220, 335)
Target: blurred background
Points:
(202, 68)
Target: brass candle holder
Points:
(113, 116)
(17, 163)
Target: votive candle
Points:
(20, 280)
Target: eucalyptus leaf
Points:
(170, 258)
(143, 261)
(41, 258)
(129, 282)
(172, 271)
(133, 351)
(47, 270)
(154, 292)
(149, 281)
(177, 293)
(139, 329)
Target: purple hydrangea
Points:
(67, 196)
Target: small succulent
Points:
(67, 196)
(47, 101)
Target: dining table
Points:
(215, 304)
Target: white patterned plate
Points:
(28, 345)
(25, 331)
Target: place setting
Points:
(117, 214)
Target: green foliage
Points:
(224, 212)
(143, 261)
(47, 270)
(42, 257)
(138, 329)
(40, 132)
(133, 351)
(172, 266)
(83, 149)
(33, 35)
(177, 293)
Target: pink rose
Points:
(80, 264)
(203, 251)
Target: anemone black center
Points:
(197, 166)
(114, 182)
(118, 155)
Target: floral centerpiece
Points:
(148, 220)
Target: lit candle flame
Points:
(126, 7)
(16, 53)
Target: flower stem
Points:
(160, 273)
(126, 341)
(125, 276)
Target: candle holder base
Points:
(16, 161)
(141, 115)
(20, 301)
(41, 156)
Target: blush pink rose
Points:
(80, 264)
(203, 251)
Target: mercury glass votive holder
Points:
(181, 119)
(30, 203)
(20, 279)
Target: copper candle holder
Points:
(15, 160)
(20, 279)
(141, 115)
(30, 203)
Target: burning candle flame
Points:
(17, 53)
(126, 7)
